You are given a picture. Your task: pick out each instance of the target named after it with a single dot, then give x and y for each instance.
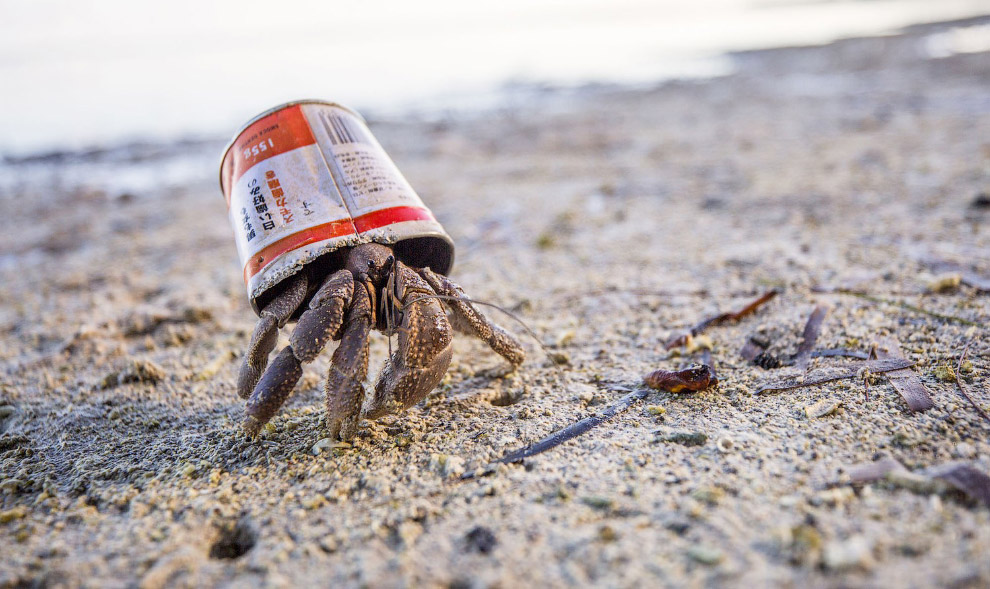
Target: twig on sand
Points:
(840, 353)
(575, 429)
(694, 378)
(962, 388)
(905, 381)
(682, 338)
(960, 476)
(811, 331)
(913, 308)
(873, 366)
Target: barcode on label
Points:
(342, 130)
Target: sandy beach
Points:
(853, 176)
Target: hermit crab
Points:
(332, 236)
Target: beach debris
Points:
(683, 338)
(767, 361)
(851, 285)
(599, 502)
(905, 381)
(872, 366)
(944, 283)
(966, 274)
(481, 540)
(752, 349)
(962, 387)
(574, 430)
(696, 377)
(963, 477)
(822, 408)
(322, 446)
(812, 329)
(840, 353)
(873, 471)
(683, 437)
(959, 475)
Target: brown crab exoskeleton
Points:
(373, 291)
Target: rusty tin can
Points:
(307, 178)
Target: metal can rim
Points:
(274, 109)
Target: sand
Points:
(607, 219)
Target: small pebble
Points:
(855, 552)
(684, 437)
(822, 408)
(706, 555)
(965, 450)
(322, 446)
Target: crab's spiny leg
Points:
(424, 350)
(349, 366)
(317, 326)
(272, 391)
(466, 316)
(265, 335)
(322, 321)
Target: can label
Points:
(309, 178)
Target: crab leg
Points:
(265, 335)
(317, 325)
(424, 350)
(471, 320)
(349, 367)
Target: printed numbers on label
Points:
(256, 150)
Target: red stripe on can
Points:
(279, 132)
(367, 222)
(295, 241)
(384, 217)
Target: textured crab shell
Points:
(308, 178)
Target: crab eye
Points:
(371, 264)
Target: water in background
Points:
(79, 74)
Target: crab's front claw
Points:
(424, 349)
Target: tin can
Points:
(307, 178)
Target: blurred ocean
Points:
(79, 74)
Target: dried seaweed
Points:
(682, 338)
(905, 381)
(751, 349)
(965, 478)
(873, 366)
(874, 471)
(960, 476)
(811, 331)
(692, 379)
(962, 388)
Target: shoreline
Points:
(505, 95)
